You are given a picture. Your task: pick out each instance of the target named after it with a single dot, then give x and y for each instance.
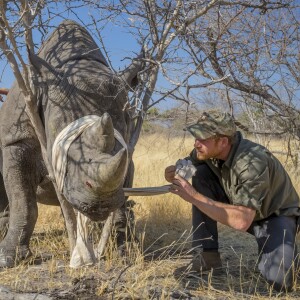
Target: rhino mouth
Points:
(100, 209)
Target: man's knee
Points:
(283, 282)
(206, 182)
(203, 172)
(204, 178)
(279, 268)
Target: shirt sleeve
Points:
(253, 183)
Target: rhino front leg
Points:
(20, 180)
(124, 218)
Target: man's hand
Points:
(183, 188)
(170, 173)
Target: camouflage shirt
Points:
(253, 177)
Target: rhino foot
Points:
(10, 259)
(125, 241)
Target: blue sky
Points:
(119, 44)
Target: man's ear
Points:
(224, 141)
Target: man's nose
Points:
(197, 143)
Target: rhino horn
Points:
(129, 75)
(101, 134)
(111, 173)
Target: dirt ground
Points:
(156, 274)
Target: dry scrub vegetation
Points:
(151, 269)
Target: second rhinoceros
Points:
(76, 88)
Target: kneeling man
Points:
(239, 183)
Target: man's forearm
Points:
(237, 217)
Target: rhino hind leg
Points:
(4, 211)
(20, 179)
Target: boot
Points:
(206, 261)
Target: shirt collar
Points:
(237, 140)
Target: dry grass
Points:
(150, 271)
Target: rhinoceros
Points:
(75, 84)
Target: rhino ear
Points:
(46, 72)
(129, 75)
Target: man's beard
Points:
(205, 156)
(202, 156)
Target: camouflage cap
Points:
(211, 124)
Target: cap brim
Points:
(199, 134)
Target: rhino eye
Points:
(88, 184)
(90, 160)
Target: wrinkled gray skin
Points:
(75, 81)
